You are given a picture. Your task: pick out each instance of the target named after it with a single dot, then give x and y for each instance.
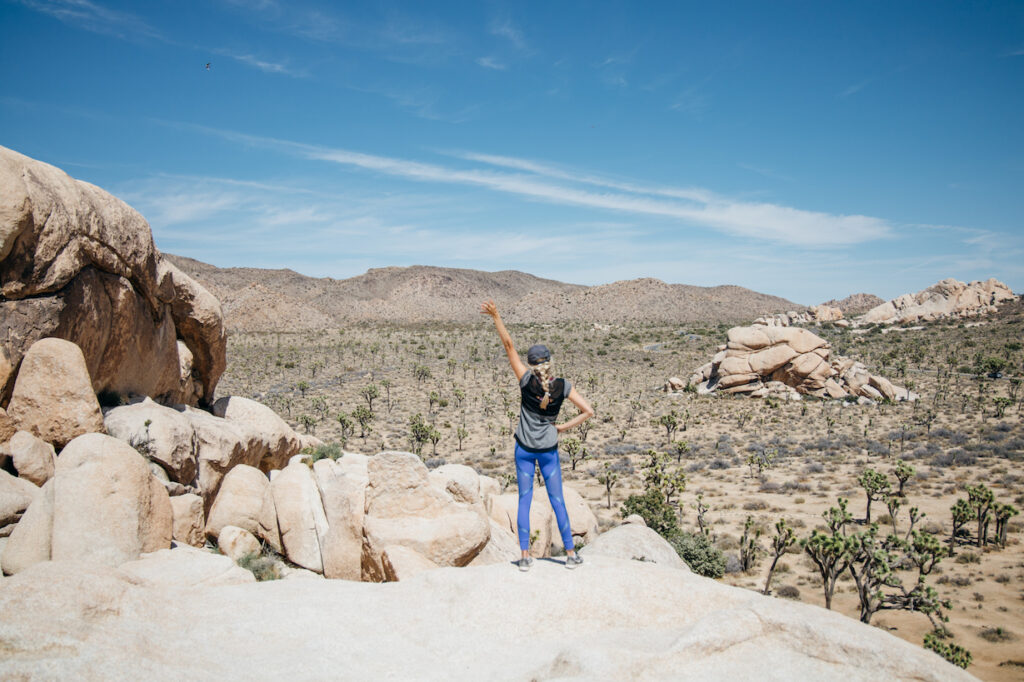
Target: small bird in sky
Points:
(207, 66)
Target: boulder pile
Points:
(949, 298)
(813, 315)
(77, 263)
(760, 360)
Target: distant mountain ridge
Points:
(855, 304)
(257, 299)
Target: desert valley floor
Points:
(967, 428)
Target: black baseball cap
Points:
(538, 354)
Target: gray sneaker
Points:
(525, 564)
(573, 561)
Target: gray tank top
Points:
(536, 431)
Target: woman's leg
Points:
(551, 470)
(525, 466)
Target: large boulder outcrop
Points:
(34, 459)
(278, 441)
(616, 619)
(239, 501)
(185, 567)
(403, 508)
(16, 495)
(106, 507)
(949, 298)
(165, 435)
(635, 541)
(300, 515)
(762, 360)
(344, 499)
(77, 263)
(53, 397)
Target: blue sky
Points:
(808, 150)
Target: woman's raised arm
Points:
(518, 367)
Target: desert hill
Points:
(265, 300)
(855, 304)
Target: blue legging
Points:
(552, 472)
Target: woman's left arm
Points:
(586, 412)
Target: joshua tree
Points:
(670, 422)
(893, 504)
(419, 432)
(609, 478)
(303, 387)
(781, 542)
(749, 549)
(980, 499)
(875, 485)
(832, 554)
(433, 435)
(370, 392)
(1003, 513)
(386, 383)
(364, 416)
(345, 422)
(702, 510)
(574, 449)
(903, 472)
(962, 513)
(461, 433)
(308, 422)
(681, 447)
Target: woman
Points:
(537, 435)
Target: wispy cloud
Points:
(504, 28)
(491, 63)
(696, 210)
(854, 89)
(261, 64)
(90, 16)
(691, 101)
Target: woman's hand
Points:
(488, 308)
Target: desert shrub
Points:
(1004, 427)
(941, 433)
(968, 558)
(656, 513)
(814, 468)
(958, 438)
(787, 592)
(955, 457)
(263, 566)
(700, 555)
(718, 463)
(435, 462)
(695, 466)
(875, 447)
(324, 451)
(996, 634)
(754, 505)
(770, 487)
(994, 436)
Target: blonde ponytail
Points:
(543, 372)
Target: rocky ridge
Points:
(266, 300)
